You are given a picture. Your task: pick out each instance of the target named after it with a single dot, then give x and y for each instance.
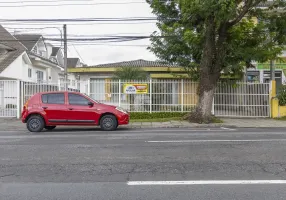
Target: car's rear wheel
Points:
(50, 127)
(35, 123)
(108, 123)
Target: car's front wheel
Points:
(50, 127)
(108, 123)
(35, 123)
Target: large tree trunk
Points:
(210, 69)
(206, 89)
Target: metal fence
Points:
(242, 100)
(9, 98)
(157, 95)
(28, 89)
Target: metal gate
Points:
(242, 100)
(8, 98)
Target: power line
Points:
(105, 44)
(76, 24)
(69, 4)
(45, 1)
(118, 38)
(83, 19)
(77, 53)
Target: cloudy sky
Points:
(91, 54)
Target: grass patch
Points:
(164, 117)
(155, 115)
(216, 120)
(281, 118)
(157, 120)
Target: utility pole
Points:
(272, 70)
(65, 58)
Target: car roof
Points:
(55, 92)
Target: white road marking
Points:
(207, 182)
(201, 141)
(229, 129)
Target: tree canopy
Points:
(208, 37)
(130, 73)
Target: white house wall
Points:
(54, 74)
(19, 70)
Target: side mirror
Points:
(90, 104)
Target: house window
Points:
(69, 82)
(30, 73)
(253, 76)
(73, 82)
(40, 76)
(35, 50)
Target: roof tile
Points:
(16, 49)
(136, 63)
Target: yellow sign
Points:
(135, 88)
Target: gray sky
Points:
(95, 54)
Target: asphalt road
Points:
(179, 164)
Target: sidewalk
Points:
(15, 124)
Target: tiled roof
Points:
(16, 49)
(28, 40)
(136, 63)
(72, 62)
(55, 51)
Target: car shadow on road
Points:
(75, 130)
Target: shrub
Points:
(282, 95)
(155, 115)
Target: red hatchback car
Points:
(50, 109)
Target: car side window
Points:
(75, 99)
(58, 98)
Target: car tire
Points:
(108, 123)
(35, 123)
(50, 127)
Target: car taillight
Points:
(26, 105)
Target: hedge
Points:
(155, 115)
(282, 95)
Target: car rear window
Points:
(58, 98)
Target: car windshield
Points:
(91, 98)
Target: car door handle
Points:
(44, 107)
(70, 108)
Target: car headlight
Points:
(121, 110)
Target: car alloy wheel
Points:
(35, 124)
(108, 123)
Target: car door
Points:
(55, 107)
(79, 110)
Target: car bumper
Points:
(124, 120)
(24, 116)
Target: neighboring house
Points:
(27, 58)
(74, 63)
(261, 72)
(45, 68)
(14, 60)
(102, 87)
(47, 60)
